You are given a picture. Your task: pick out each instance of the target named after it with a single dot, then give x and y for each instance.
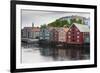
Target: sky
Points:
(44, 17)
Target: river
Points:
(33, 53)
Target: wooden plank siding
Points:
(75, 36)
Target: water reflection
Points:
(42, 54)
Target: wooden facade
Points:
(62, 35)
(54, 35)
(30, 32)
(77, 34)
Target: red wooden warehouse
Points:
(54, 35)
(78, 34)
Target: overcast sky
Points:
(44, 17)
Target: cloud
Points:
(44, 17)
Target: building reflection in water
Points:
(61, 53)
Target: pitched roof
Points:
(82, 28)
(35, 29)
(27, 28)
(63, 29)
(66, 29)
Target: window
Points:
(73, 36)
(77, 36)
(46, 34)
(41, 37)
(68, 36)
(73, 40)
(47, 38)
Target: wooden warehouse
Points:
(78, 34)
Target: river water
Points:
(33, 53)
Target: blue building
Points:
(87, 21)
(44, 34)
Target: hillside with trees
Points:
(61, 23)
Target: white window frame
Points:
(78, 36)
(69, 36)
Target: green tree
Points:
(59, 23)
(68, 23)
(43, 26)
(79, 21)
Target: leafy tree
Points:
(79, 21)
(68, 23)
(43, 26)
(59, 23)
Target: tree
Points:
(79, 21)
(59, 23)
(43, 26)
(67, 22)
